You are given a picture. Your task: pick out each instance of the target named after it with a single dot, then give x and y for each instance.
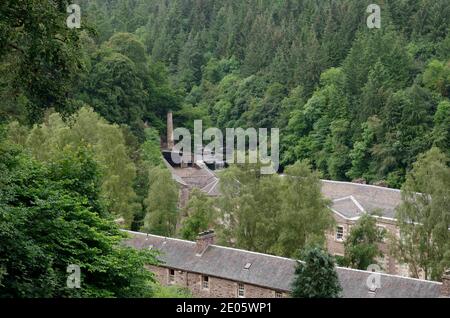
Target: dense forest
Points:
(82, 112)
(359, 103)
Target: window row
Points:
(205, 283)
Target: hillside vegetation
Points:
(358, 102)
(83, 111)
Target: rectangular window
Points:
(241, 290)
(278, 294)
(205, 282)
(340, 233)
(171, 276)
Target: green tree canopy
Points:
(200, 215)
(362, 244)
(51, 216)
(88, 129)
(270, 213)
(40, 55)
(424, 217)
(162, 203)
(316, 276)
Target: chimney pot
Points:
(204, 240)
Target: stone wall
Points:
(445, 289)
(336, 247)
(218, 287)
(389, 263)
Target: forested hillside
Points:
(358, 102)
(83, 111)
(70, 179)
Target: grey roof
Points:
(213, 188)
(349, 207)
(175, 177)
(198, 176)
(348, 199)
(370, 198)
(270, 271)
(354, 285)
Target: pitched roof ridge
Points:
(210, 186)
(337, 267)
(251, 252)
(349, 197)
(361, 185)
(175, 177)
(212, 245)
(286, 259)
(158, 236)
(354, 201)
(214, 186)
(389, 275)
(209, 171)
(343, 216)
(360, 207)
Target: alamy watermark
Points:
(74, 19)
(373, 282)
(235, 150)
(74, 278)
(374, 19)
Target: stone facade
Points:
(215, 288)
(388, 263)
(223, 272)
(445, 289)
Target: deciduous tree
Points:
(162, 203)
(424, 217)
(362, 244)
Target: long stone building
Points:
(209, 270)
(349, 201)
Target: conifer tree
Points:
(316, 276)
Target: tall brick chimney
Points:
(204, 240)
(170, 141)
(445, 289)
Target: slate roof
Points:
(198, 176)
(269, 271)
(354, 285)
(370, 198)
(175, 177)
(348, 199)
(213, 188)
(349, 207)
